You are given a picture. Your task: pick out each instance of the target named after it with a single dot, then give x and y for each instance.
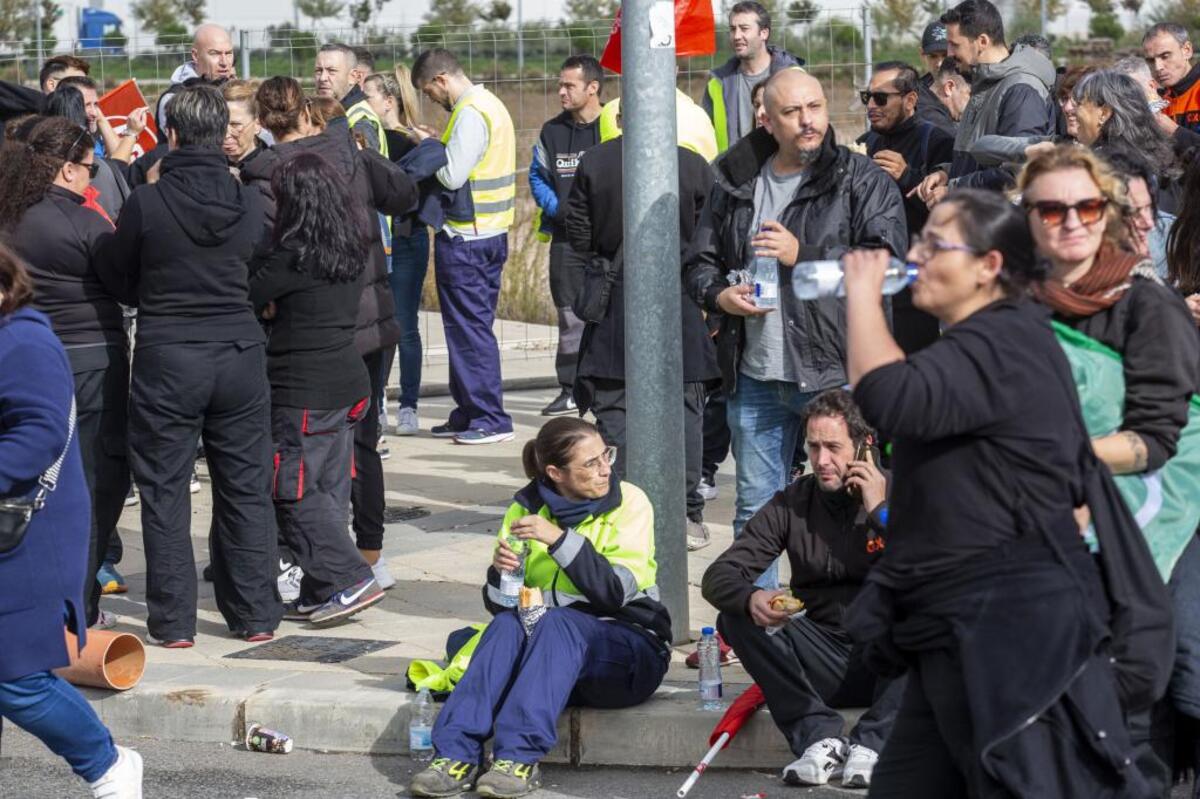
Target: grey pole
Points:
(653, 328)
(520, 40)
(1043, 17)
(868, 45)
(41, 55)
(244, 43)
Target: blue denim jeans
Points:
(50, 708)
(1184, 586)
(764, 425)
(410, 262)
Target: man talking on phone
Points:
(832, 526)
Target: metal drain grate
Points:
(401, 513)
(310, 649)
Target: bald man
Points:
(211, 59)
(785, 193)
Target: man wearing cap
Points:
(933, 51)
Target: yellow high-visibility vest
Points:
(493, 180)
(357, 113)
(693, 129)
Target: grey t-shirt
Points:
(745, 110)
(764, 357)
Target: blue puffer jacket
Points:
(42, 580)
(437, 202)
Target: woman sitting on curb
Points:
(602, 642)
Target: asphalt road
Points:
(182, 770)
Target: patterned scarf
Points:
(1100, 288)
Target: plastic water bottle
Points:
(813, 280)
(766, 282)
(711, 686)
(511, 582)
(420, 728)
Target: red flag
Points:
(742, 708)
(117, 104)
(695, 33)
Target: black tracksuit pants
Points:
(217, 391)
(716, 433)
(101, 403)
(313, 452)
(805, 670)
(367, 488)
(566, 278)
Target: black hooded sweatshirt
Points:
(181, 249)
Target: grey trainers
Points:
(444, 777)
(697, 535)
(508, 780)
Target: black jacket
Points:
(594, 225)
(931, 109)
(847, 202)
(924, 146)
(562, 142)
(181, 249)
(59, 239)
(381, 186)
(16, 100)
(1160, 354)
(830, 541)
(311, 359)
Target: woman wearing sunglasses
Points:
(1076, 207)
(604, 638)
(43, 180)
(985, 571)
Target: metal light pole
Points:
(41, 56)
(520, 39)
(244, 43)
(653, 328)
(1043, 17)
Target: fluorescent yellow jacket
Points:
(693, 128)
(493, 180)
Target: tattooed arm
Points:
(1124, 452)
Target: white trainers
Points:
(382, 575)
(288, 582)
(407, 422)
(123, 780)
(105, 621)
(860, 762)
(820, 763)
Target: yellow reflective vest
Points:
(693, 128)
(493, 181)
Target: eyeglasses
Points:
(1054, 214)
(925, 247)
(236, 128)
(880, 98)
(92, 168)
(606, 458)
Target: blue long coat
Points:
(42, 580)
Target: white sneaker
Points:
(194, 483)
(382, 575)
(820, 763)
(860, 762)
(288, 582)
(105, 621)
(707, 490)
(407, 423)
(123, 780)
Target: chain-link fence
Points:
(522, 69)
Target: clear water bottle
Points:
(420, 728)
(711, 687)
(814, 280)
(766, 282)
(512, 581)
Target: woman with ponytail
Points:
(44, 178)
(587, 540)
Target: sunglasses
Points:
(880, 98)
(1054, 214)
(92, 168)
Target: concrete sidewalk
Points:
(448, 500)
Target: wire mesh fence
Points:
(521, 67)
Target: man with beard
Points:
(337, 74)
(788, 192)
(830, 524)
(933, 53)
(908, 149)
(471, 248)
(1011, 95)
(727, 99)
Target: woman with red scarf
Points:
(1077, 212)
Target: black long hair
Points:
(28, 164)
(67, 101)
(1183, 242)
(320, 219)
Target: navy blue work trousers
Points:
(516, 688)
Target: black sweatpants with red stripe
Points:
(313, 455)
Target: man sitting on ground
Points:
(830, 524)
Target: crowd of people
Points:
(948, 472)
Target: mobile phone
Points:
(863, 453)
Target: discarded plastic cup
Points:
(261, 739)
